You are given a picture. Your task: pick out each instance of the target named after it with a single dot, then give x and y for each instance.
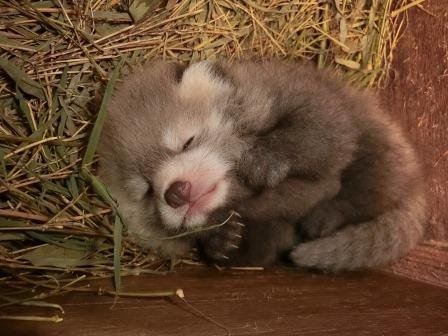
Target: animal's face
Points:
(168, 157)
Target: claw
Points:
(234, 246)
(237, 235)
(240, 224)
(224, 257)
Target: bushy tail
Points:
(368, 244)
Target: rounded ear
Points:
(204, 81)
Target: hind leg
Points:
(325, 218)
(290, 200)
(366, 192)
(359, 199)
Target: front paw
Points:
(262, 168)
(219, 244)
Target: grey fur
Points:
(308, 153)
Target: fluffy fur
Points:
(294, 151)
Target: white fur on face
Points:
(178, 134)
(183, 128)
(206, 171)
(202, 96)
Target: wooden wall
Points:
(418, 97)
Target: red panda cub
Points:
(315, 171)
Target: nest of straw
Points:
(58, 227)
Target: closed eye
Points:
(150, 190)
(187, 144)
(139, 185)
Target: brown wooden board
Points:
(273, 302)
(417, 96)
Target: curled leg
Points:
(325, 218)
(290, 200)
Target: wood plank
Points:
(418, 97)
(272, 302)
(425, 263)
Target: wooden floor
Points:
(272, 302)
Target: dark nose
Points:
(178, 194)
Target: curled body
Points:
(315, 169)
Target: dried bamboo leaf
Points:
(102, 113)
(55, 319)
(22, 80)
(118, 238)
(56, 256)
(139, 8)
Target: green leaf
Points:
(100, 119)
(3, 163)
(12, 236)
(6, 222)
(72, 186)
(98, 186)
(56, 256)
(118, 236)
(139, 8)
(25, 109)
(22, 80)
(70, 244)
(32, 303)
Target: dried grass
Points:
(55, 229)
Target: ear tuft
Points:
(202, 81)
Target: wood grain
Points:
(418, 97)
(273, 302)
(425, 263)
